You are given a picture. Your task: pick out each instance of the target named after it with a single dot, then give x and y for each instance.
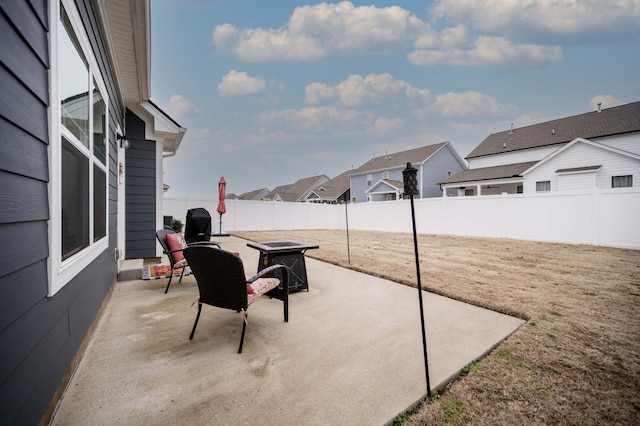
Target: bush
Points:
(176, 224)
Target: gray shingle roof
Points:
(298, 190)
(399, 159)
(488, 173)
(610, 121)
(335, 187)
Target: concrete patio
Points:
(351, 353)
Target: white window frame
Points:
(63, 271)
(369, 179)
(385, 175)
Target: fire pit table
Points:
(290, 254)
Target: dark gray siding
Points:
(140, 174)
(38, 335)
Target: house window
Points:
(543, 186)
(79, 181)
(622, 181)
(469, 192)
(385, 175)
(369, 178)
(519, 189)
(449, 173)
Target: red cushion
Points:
(249, 289)
(176, 242)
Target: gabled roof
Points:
(335, 187)
(278, 190)
(399, 159)
(299, 190)
(256, 194)
(489, 173)
(608, 122)
(581, 141)
(389, 183)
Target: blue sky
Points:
(274, 91)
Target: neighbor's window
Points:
(469, 192)
(622, 181)
(385, 175)
(80, 173)
(519, 189)
(543, 186)
(369, 178)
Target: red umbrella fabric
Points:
(222, 188)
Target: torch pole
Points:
(424, 336)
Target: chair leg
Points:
(244, 327)
(195, 324)
(286, 307)
(184, 268)
(169, 283)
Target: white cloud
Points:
(236, 83)
(606, 101)
(317, 119)
(543, 18)
(384, 126)
(488, 51)
(469, 104)
(178, 106)
(372, 89)
(313, 32)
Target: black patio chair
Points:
(222, 283)
(176, 259)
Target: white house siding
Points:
(583, 155)
(630, 142)
(576, 181)
(532, 154)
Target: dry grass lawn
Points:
(575, 361)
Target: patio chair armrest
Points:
(269, 271)
(205, 243)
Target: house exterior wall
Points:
(582, 155)
(39, 336)
(435, 171)
(359, 182)
(141, 187)
(532, 154)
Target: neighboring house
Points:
(256, 195)
(231, 196)
(298, 191)
(380, 179)
(277, 190)
(334, 191)
(74, 78)
(596, 149)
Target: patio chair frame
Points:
(222, 283)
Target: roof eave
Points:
(127, 29)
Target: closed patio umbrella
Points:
(222, 208)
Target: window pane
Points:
(74, 83)
(75, 200)
(99, 203)
(543, 186)
(99, 122)
(622, 181)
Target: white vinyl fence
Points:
(600, 217)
